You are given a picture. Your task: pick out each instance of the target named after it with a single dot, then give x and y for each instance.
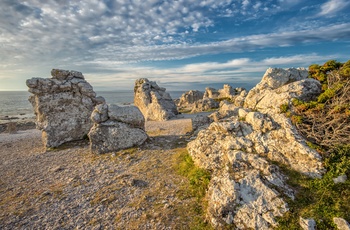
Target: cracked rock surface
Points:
(62, 105)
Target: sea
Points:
(16, 104)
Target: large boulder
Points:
(278, 86)
(116, 128)
(154, 103)
(62, 105)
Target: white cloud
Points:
(333, 6)
(235, 71)
(92, 36)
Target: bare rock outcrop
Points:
(116, 128)
(278, 86)
(247, 190)
(154, 103)
(62, 105)
(242, 189)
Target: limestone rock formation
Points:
(189, 98)
(211, 93)
(246, 190)
(226, 92)
(204, 104)
(242, 189)
(279, 86)
(62, 105)
(116, 128)
(154, 103)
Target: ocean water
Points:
(15, 103)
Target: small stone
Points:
(307, 224)
(340, 179)
(46, 193)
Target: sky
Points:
(180, 44)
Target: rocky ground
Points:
(70, 188)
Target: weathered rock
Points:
(154, 103)
(190, 97)
(307, 224)
(204, 105)
(340, 179)
(234, 150)
(211, 93)
(200, 120)
(341, 223)
(62, 105)
(279, 86)
(226, 91)
(242, 189)
(116, 128)
(238, 100)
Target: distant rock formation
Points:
(154, 103)
(62, 105)
(116, 128)
(204, 104)
(246, 190)
(188, 99)
(226, 92)
(211, 93)
(195, 101)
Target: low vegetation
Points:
(325, 123)
(320, 199)
(198, 181)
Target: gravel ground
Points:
(69, 188)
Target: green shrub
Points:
(329, 93)
(296, 119)
(284, 108)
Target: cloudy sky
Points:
(181, 44)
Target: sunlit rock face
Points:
(62, 105)
(279, 86)
(153, 101)
(248, 191)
